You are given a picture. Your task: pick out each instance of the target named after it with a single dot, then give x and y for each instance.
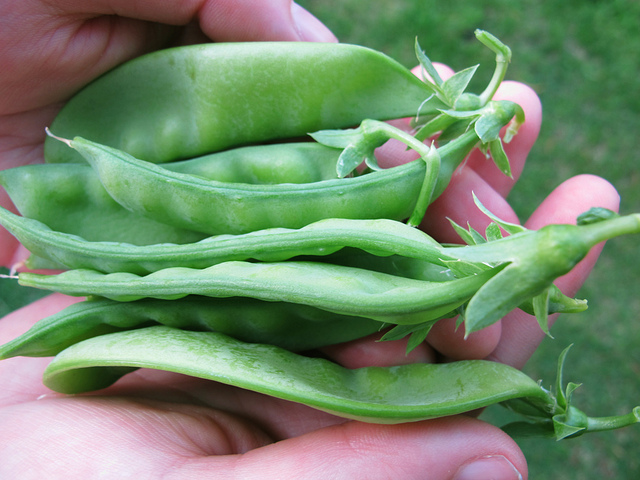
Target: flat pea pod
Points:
(334, 288)
(188, 101)
(374, 394)
(185, 201)
(379, 237)
(290, 326)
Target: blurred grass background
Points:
(581, 57)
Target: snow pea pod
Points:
(71, 199)
(379, 237)
(334, 288)
(188, 101)
(214, 207)
(287, 325)
(375, 394)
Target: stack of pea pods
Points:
(222, 205)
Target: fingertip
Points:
(573, 197)
(451, 342)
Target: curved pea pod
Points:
(379, 237)
(290, 326)
(213, 207)
(334, 288)
(374, 394)
(70, 198)
(187, 101)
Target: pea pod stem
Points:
(503, 58)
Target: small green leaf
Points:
(562, 429)
(541, 311)
(500, 157)
(595, 215)
(508, 227)
(560, 393)
(426, 63)
(455, 86)
(460, 268)
(493, 232)
(464, 235)
(350, 158)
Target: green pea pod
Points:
(287, 325)
(533, 260)
(334, 288)
(379, 237)
(374, 394)
(188, 101)
(71, 199)
(185, 201)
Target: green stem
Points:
(599, 424)
(608, 229)
(503, 58)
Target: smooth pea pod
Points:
(396, 394)
(334, 288)
(287, 325)
(188, 101)
(375, 394)
(186, 201)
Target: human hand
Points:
(154, 424)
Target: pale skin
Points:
(161, 425)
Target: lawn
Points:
(581, 58)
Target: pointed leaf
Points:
(560, 393)
(338, 138)
(500, 157)
(425, 62)
(455, 86)
(541, 311)
(464, 235)
(510, 228)
(350, 158)
(493, 232)
(563, 430)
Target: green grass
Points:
(581, 58)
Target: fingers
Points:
(521, 334)
(220, 20)
(449, 448)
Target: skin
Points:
(161, 425)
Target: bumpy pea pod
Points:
(334, 288)
(379, 237)
(71, 199)
(188, 101)
(214, 207)
(374, 394)
(287, 325)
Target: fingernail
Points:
(309, 28)
(488, 468)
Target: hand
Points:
(155, 424)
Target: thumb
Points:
(455, 448)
